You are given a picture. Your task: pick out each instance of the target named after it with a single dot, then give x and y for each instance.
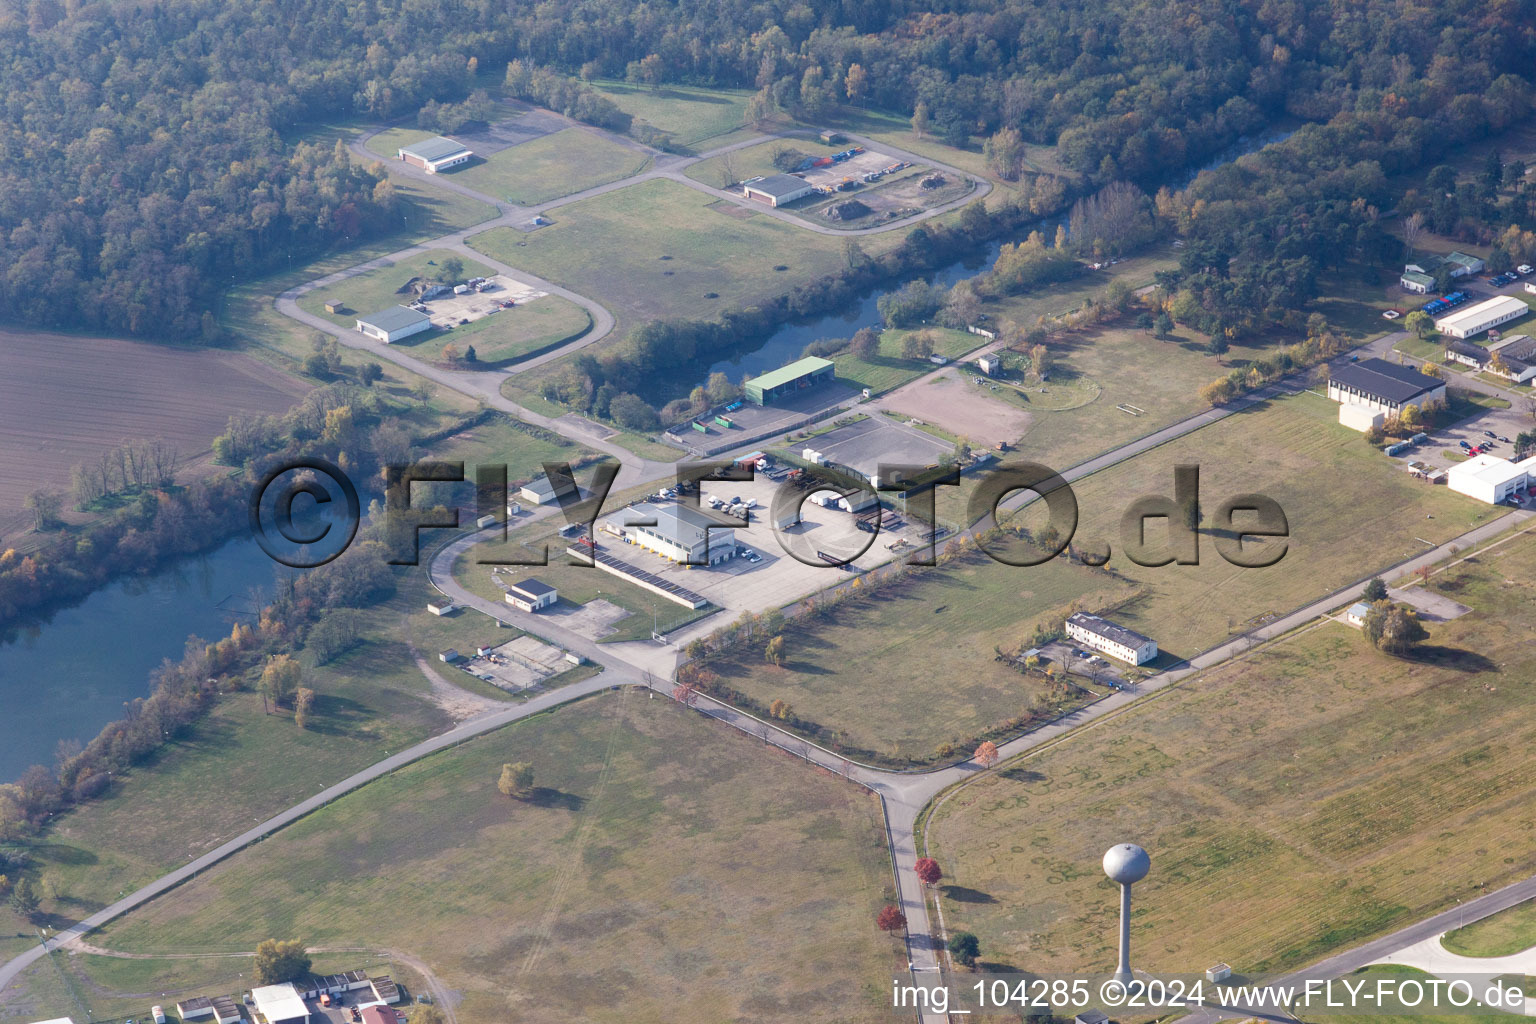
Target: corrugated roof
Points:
(1108, 630)
(794, 371)
(779, 185)
(395, 318)
(1498, 306)
(435, 148)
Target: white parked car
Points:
(1523, 269)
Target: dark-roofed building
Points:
(195, 1008)
(1116, 641)
(530, 595)
(225, 1010)
(1467, 353)
(678, 533)
(778, 189)
(435, 154)
(1514, 358)
(1382, 386)
(392, 324)
(385, 990)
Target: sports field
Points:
(1352, 511)
(663, 250)
(504, 337)
(1299, 801)
(663, 870)
(903, 670)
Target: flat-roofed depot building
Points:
(1490, 478)
(1382, 387)
(677, 533)
(280, 1004)
(1115, 641)
(435, 154)
(1475, 319)
(392, 324)
(786, 380)
(777, 189)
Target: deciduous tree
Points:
(891, 919)
(280, 960)
(516, 780)
(986, 754)
(928, 871)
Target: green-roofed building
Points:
(786, 380)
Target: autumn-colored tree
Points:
(685, 693)
(774, 652)
(1040, 360)
(279, 680)
(303, 702)
(450, 353)
(920, 120)
(986, 754)
(865, 344)
(891, 919)
(280, 960)
(928, 871)
(516, 780)
(856, 83)
(781, 709)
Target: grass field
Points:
(535, 171)
(888, 369)
(1351, 512)
(65, 398)
(1507, 932)
(1299, 801)
(660, 250)
(905, 670)
(501, 338)
(664, 870)
(689, 115)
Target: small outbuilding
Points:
(989, 364)
(441, 607)
(195, 1008)
(334, 306)
(1355, 615)
(449, 656)
(530, 595)
(393, 324)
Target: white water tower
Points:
(1126, 863)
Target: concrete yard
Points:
(953, 403)
(779, 578)
(593, 620)
(761, 421)
(877, 440)
(449, 310)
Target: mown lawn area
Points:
(659, 249)
(1505, 933)
(664, 869)
(1299, 801)
(690, 115)
(1351, 511)
(535, 171)
(909, 667)
(503, 337)
(888, 369)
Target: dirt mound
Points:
(852, 209)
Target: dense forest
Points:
(147, 152)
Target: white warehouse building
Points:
(1490, 478)
(677, 533)
(1115, 641)
(1474, 320)
(394, 323)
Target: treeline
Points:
(128, 468)
(350, 425)
(560, 92)
(1261, 232)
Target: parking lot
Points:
(1091, 666)
(1443, 450)
(865, 445)
(759, 421)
